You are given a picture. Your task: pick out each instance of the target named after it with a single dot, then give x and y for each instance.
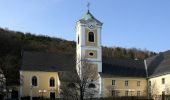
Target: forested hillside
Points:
(12, 43)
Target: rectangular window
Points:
(113, 93)
(78, 39)
(91, 37)
(126, 82)
(163, 80)
(138, 83)
(138, 93)
(126, 93)
(149, 83)
(113, 82)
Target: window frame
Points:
(126, 93)
(126, 82)
(149, 83)
(138, 83)
(113, 93)
(52, 79)
(34, 81)
(93, 37)
(91, 54)
(138, 93)
(113, 82)
(163, 80)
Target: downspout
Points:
(147, 79)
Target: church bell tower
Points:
(88, 37)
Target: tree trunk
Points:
(81, 94)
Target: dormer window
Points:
(91, 37)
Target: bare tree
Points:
(5, 74)
(5, 67)
(68, 88)
(166, 92)
(167, 89)
(154, 91)
(7, 64)
(88, 74)
(83, 83)
(2, 83)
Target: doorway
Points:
(52, 95)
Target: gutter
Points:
(147, 78)
(153, 76)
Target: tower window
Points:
(91, 85)
(52, 82)
(34, 81)
(91, 54)
(78, 39)
(91, 37)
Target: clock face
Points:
(91, 25)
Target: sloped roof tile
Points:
(41, 61)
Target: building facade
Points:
(124, 86)
(38, 83)
(40, 72)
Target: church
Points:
(41, 74)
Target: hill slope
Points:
(12, 43)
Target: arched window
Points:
(91, 85)
(52, 82)
(34, 81)
(91, 37)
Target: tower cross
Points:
(88, 6)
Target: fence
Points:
(126, 98)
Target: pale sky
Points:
(142, 24)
